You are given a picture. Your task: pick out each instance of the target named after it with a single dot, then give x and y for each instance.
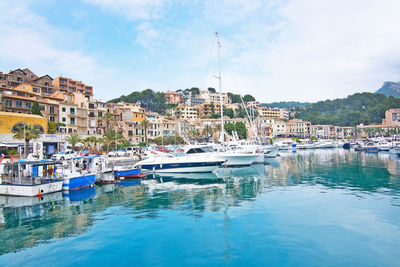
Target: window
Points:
(42, 107)
(69, 98)
(36, 90)
(51, 109)
(46, 84)
(18, 103)
(51, 118)
(91, 106)
(19, 79)
(63, 109)
(20, 94)
(72, 111)
(130, 133)
(64, 119)
(100, 114)
(9, 103)
(72, 121)
(28, 105)
(91, 114)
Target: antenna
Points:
(219, 77)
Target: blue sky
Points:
(277, 50)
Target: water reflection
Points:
(26, 222)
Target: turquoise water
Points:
(312, 208)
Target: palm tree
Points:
(207, 131)
(27, 133)
(73, 139)
(110, 120)
(217, 130)
(145, 123)
(109, 138)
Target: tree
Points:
(248, 98)
(144, 124)
(110, 120)
(229, 128)
(194, 91)
(211, 90)
(229, 112)
(35, 109)
(110, 137)
(207, 131)
(60, 124)
(51, 128)
(27, 133)
(73, 139)
(240, 128)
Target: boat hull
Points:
(105, 178)
(131, 173)
(187, 167)
(31, 190)
(239, 160)
(79, 182)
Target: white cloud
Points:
(133, 9)
(31, 42)
(324, 50)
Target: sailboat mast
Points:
(222, 138)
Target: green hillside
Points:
(366, 108)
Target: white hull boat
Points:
(30, 190)
(181, 164)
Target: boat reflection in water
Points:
(79, 195)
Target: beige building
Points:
(206, 109)
(275, 113)
(298, 128)
(172, 97)
(67, 85)
(185, 112)
(392, 117)
(214, 97)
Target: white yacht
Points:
(383, 145)
(182, 163)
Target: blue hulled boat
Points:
(128, 173)
(82, 173)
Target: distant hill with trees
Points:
(390, 89)
(148, 99)
(285, 104)
(366, 108)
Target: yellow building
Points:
(9, 120)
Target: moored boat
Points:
(29, 178)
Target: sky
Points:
(276, 50)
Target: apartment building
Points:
(185, 112)
(68, 85)
(323, 131)
(194, 101)
(344, 132)
(210, 97)
(392, 117)
(208, 109)
(129, 120)
(298, 128)
(155, 121)
(275, 113)
(68, 116)
(172, 97)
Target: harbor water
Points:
(329, 207)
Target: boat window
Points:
(207, 149)
(191, 151)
